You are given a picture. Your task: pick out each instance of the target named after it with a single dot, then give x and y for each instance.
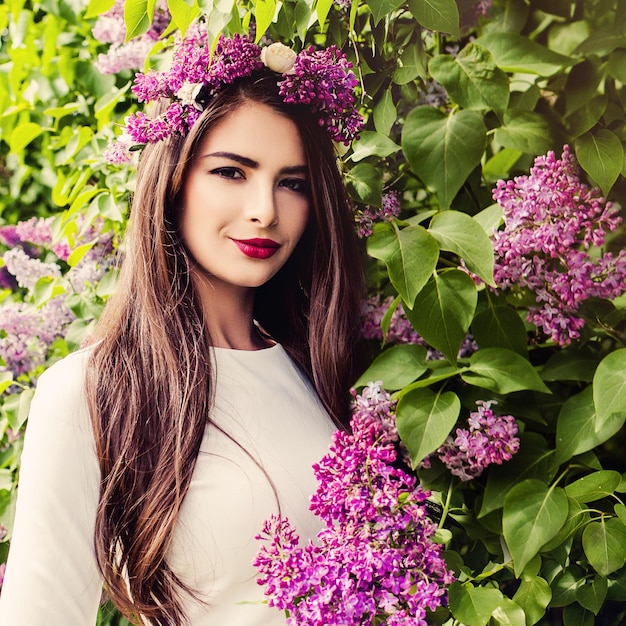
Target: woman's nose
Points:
(262, 208)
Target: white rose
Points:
(188, 92)
(278, 58)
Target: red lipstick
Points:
(257, 248)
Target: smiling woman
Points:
(220, 367)
(245, 208)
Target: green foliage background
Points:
(541, 539)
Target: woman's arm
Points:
(51, 576)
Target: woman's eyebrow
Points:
(251, 163)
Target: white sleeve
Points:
(51, 576)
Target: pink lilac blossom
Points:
(2, 571)
(27, 270)
(489, 439)
(551, 221)
(323, 79)
(375, 561)
(121, 55)
(370, 215)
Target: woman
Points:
(221, 365)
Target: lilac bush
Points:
(552, 223)
(29, 329)
(375, 561)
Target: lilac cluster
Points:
(489, 439)
(121, 55)
(551, 221)
(375, 562)
(29, 330)
(370, 215)
(321, 79)
(324, 80)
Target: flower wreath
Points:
(322, 79)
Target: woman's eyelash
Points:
(299, 185)
(227, 172)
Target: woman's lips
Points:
(257, 248)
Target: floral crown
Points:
(322, 79)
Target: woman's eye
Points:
(299, 185)
(228, 172)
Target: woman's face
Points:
(245, 199)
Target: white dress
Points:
(275, 417)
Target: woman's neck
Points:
(229, 315)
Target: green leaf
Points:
(617, 588)
(500, 327)
(533, 595)
(410, 254)
(574, 615)
(264, 11)
(322, 7)
(23, 134)
(218, 15)
(183, 13)
(385, 113)
(473, 606)
(78, 253)
(444, 310)
(461, 234)
(424, 420)
(410, 65)
(6, 380)
(508, 613)
(367, 183)
(513, 52)
(609, 385)
(137, 19)
(525, 131)
(396, 367)
(620, 511)
(573, 364)
(533, 513)
(500, 164)
(443, 149)
(601, 155)
(592, 595)
(578, 428)
(533, 460)
(502, 371)
(594, 486)
(373, 144)
(604, 543)
(98, 7)
(472, 79)
(438, 15)
(382, 8)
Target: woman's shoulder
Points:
(63, 383)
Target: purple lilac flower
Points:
(121, 55)
(489, 439)
(2, 571)
(390, 209)
(324, 80)
(343, 4)
(375, 559)
(551, 220)
(28, 271)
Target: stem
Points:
(446, 506)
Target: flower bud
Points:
(278, 58)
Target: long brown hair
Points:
(149, 379)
